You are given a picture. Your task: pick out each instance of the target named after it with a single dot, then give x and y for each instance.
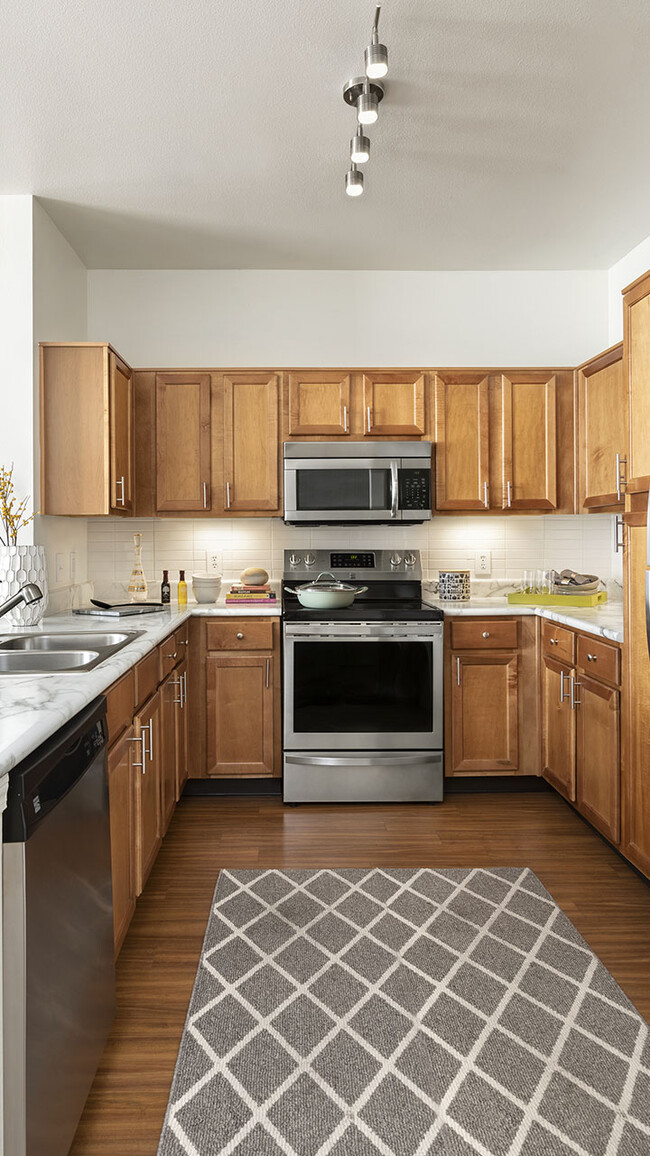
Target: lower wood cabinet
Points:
(558, 727)
(147, 787)
(240, 690)
(598, 758)
(120, 792)
(182, 731)
(170, 696)
(484, 711)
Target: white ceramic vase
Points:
(18, 565)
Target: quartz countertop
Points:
(34, 707)
(606, 620)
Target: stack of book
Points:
(240, 595)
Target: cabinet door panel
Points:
(120, 791)
(484, 707)
(148, 825)
(240, 714)
(602, 410)
(183, 469)
(394, 404)
(637, 354)
(598, 756)
(120, 393)
(558, 728)
(170, 693)
(462, 446)
(182, 733)
(319, 403)
(637, 697)
(250, 432)
(529, 456)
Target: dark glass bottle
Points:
(165, 589)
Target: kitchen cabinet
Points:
(558, 727)
(462, 441)
(636, 359)
(120, 792)
(240, 714)
(636, 765)
(318, 404)
(251, 450)
(86, 430)
(528, 441)
(182, 731)
(483, 687)
(170, 706)
(147, 787)
(394, 404)
(603, 431)
(598, 759)
(183, 437)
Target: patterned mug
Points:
(453, 585)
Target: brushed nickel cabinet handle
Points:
(574, 701)
(184, 689)
(150, 729)
(345, 419)
(621, 480)
(486, 634)
(227, 495)
(140, 739)
(268, 672)
(458, 671)
(239, 634)
(121, 500)
(205, 495)
(485, 496)
(509, 493)
(562, 678)
(619, 542)
(368, 417)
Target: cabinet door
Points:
(120, 395)
(484, 712)
(636, 344)
(636, 834)
(528, 448)
(598, 762)
(394, 404)
(250, 442)
(147, 762)
(120, 791)
(462, 446)
(602, 415)
(240, 714)
(182, 732)
(319, 403)
(558, 728)
(183, 442)
(170, 694)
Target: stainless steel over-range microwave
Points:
(332, 482)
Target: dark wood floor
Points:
(607, 901)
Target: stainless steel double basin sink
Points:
(59, 653)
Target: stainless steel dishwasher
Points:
(58, 969)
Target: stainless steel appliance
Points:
(363, 717)
(353, 482)
(58, 969)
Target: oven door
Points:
(341, 490)
(356, 686)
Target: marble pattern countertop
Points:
(605, 621)
(34, 707)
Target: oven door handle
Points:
(353, 760)
(394, 488)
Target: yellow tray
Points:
(565, 600)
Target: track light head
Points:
(360, 147)
(376, 54)
(354, 181)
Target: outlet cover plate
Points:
(214, 561)
(483, 563)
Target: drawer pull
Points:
(171, 655)
(486, 634)
(592, 658)
(239, 634)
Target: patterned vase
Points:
(18, 565)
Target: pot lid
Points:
(332, 587)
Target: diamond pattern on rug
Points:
(404, 1012)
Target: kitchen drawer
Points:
(599, 659)
(484, 634)
(182, 636)
(147, 676)
(240, 634)
(557, 641)
(170, 655)
(120, 704)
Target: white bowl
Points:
(206, 587)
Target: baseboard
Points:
(244, 788)
(494, 784)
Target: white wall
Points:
(631, 266)
(319, 318)
(16, 350)
(59, 314)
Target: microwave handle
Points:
(394, 488)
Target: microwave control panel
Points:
(415, 489)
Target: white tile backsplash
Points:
(581, 542)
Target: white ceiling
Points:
(213, 134)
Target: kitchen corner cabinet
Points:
(636, 368)
(251, 452)
(462, 441)
(120, 792)
(183, 442)
(318, 404)
(602, 431)
(86, 412)
(394, 404)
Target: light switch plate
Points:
(483, 563)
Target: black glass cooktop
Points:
(363, 611)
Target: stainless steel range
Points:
(363, 712)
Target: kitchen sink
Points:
(58, 653)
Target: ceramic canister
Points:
(453, 585)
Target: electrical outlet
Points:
(59, 569)
(73, 565)
(214, 562)
(483, 563)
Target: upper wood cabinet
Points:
(528, 441)
(86, 430)
(603, 431)
(318, 404)
(394, 404)
(183, 442)
(251, 457)
(462, 441)
(636, 352)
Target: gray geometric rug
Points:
(404, 1012)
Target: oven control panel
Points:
(415, 489)
(347, 561)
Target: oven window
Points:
(365, 687)
(343, 489)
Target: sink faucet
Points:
(27, 594)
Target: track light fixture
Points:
(365, 93)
